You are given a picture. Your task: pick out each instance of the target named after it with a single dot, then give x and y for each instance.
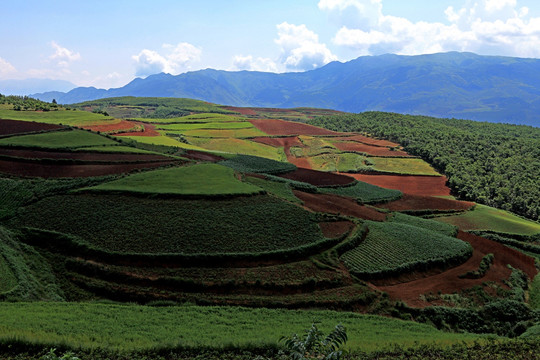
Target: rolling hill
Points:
(460, 85)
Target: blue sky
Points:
(107, 43)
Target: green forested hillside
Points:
(493, 164)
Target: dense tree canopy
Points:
(493, 164)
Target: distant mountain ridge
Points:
(460, 85)
(28, 86)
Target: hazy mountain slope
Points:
(461, 85)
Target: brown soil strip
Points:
(368, 140)
(149, 130)
(369, 149)
(112, 128)
(420, 202)
(449, 281)
(202, 156)
(241, 110)
(335, 204)
(282, 127)
(12, 127)
(318, 178)
(60, 171)
(335, 229)
(410, 184)
(83, 156)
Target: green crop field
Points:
(403, 166)
(279, 189)
(162, 140)
(239, 146)
(7, 279)
(58, 140)
(343, 162)
(443, 228)
(128, 327)
(487, 218)
(199, 180)
(141, 225)
(393, 248)
(64, 117)
(364, 192)
(255, 164)
(534, 294)
(206, 126)
(225, 133)
(194, 118)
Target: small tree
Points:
(314, 345)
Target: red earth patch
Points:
(39, 169)
(420, 202)
(369, 149)
(83, 156)
(318, 178)
(449, 281)
(336, 204)
(13, 127)
(123, 125)
(242, 110)
(368, 140)
(410, 184)
(202, 156)
(149, 130)
(335, 229)
(284, 128)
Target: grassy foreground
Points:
(134, 327)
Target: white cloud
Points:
(300, 48)
(6, 68)
(63, 55)
(178, 59)
(482, 26)
(254, 64)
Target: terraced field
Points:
(58, 140)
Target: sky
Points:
(107, 43)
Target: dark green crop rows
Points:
(393, 248)
(255, 164)
(141, 225)
(364, 192)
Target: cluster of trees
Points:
(493, 164)
(27, 103)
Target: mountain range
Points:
(29, 86)
(454, 85)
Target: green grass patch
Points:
(197, 180)
(343, 162)
(255, 164)
(7, 278)
(163, 140)
(487, 218)
(239, 146)
(393, 248)
(224, 133)
(134, 327)
(279, 189)
(364, 192)
(122, 223)
(64, 117)
(58, 140)
(403, 166)
(442, 228)
(534, 294)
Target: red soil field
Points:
(241, 110)
(200, 155)
(369, 149)
(419, 202)
(318, 178)
(149, 130)
(335, 204)
(410, 184)
(335, 229)
(12, 127)
(449, 281)
(37, 169)
(282, 127)
(112, 128)
(367, 140)
(84, 156)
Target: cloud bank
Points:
(177, 59)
